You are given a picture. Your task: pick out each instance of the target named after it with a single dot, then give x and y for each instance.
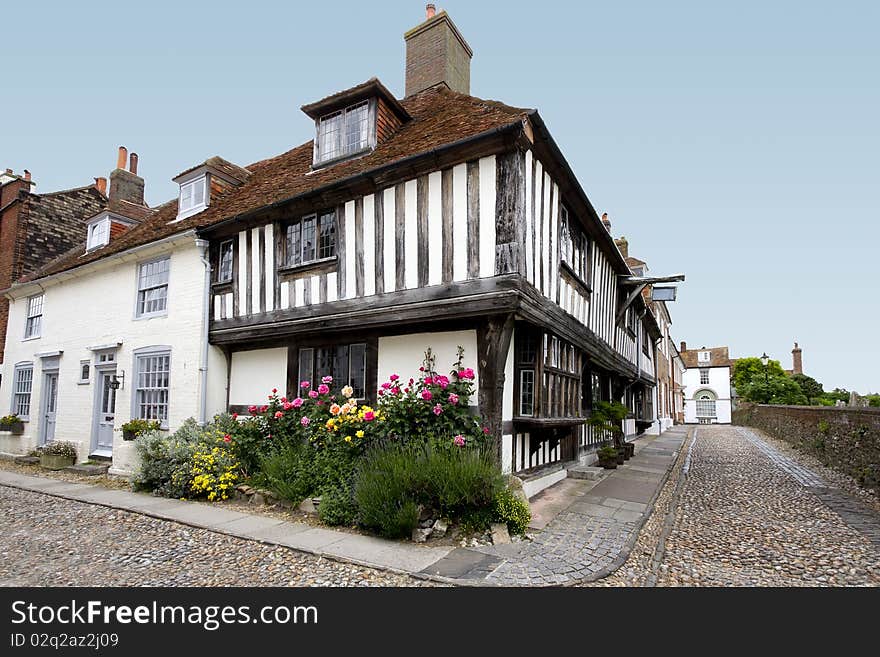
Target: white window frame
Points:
(87, 379)
(138, 312)
(19, 391)
(367, 142)
(522, 373)
(190, 207)
(33, 322)
(704, 380)
(98, 234)
(704, 357)
(151, 394)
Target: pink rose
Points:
(287, 406)
(313, 394)
(369, 416)
(411, 381)
(381, 393)
(305, 384)
(227, 438)
(393, 377)
(426, 395)
(279, 415)
(486, 430)
(263, 409)
(453, 398)
(327, 379)
(296, 403)
(252, 409)
(274, 390)
(421, 369)
(438, 409)
(305, 421)
(395, 390)
(235, 416)
(442, 381)
(459, 440)
(323, 389)
(386, 385)
(284, 400)
(429, 380)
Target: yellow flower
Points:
(359, 434)
(348, 439)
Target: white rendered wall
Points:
(719, 383)
(255, 373)
(96, 309)
(404, 354)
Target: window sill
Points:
(312, 264)
(83, 383)
(32, 338)
(224, 286)
(317, 166)
(580, 282)
(549, 421)
(138, 318)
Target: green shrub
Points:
(452, 481)
(138, 426)
(287, 472)
(337, 506)
(606, 453)
(512, 510)
(383, 491)
(474, 521)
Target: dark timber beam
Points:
(493, 344)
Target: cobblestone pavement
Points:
(747, 515)
(50, 541)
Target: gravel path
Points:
(49, 541)
(745, 517)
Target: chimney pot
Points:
(133, 163)
(684, 346)
(27, 176)
(122, 157)
(101, 185)
(430, 10)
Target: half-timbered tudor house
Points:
(436, 221)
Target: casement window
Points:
(704, 376)
(224, 262)
(34, 323)
(85, 371)
(704, 356)
(526, 355)
(646, 343)
(153, 288)
(346, 132)
(705, 406)
(193, 195)
(310, 239)
(22, 385)
(632, 320)
(152, 389)
(347, 364)
(574, 247)
(98, 234)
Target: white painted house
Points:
(706, 385)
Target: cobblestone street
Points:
(748, 515)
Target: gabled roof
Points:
(718, 357)
(221, 165)
(371, 88)
(440, 117)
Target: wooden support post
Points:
(493, 344)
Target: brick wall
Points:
(846, 439)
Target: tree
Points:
(776, 390)
(749, 369)
(811, 388)
(838, 394)
(873, 400)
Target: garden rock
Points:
(420, 535)
(427, 522)
(258, 499)
(440, 527)
(308, 506)
(500, 535)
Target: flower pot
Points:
(608, 465)
(630, 449)
(129, 434)
(16, 428)
(55, 461)
(621, 457)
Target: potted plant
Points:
(607, 457)
(134, 428)
(57, 455)
(13, 424)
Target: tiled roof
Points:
(223, 166)
(718, 357)
(129, 210)
(440, 117)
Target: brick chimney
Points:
(797, 363)
(126, 185)
(684, 346)
(436, 53)
(622, 246)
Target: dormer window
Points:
(345, 133)
(192, 197)
(98, 234)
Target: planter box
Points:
(608, 465)
(55, 461)
(16, 428)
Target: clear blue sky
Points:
(736, 142)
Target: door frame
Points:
(107, 369)
(44, 402)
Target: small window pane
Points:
(224, 272)
(308, 239)
(329, 132)
(527, 392)
(357, 370)
(327, 242)
(306, 367)
(294, 244)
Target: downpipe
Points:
(206, 310)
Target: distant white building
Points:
(706, 385)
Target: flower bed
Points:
(419, 452)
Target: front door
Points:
(50, 405)
(106, 412)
